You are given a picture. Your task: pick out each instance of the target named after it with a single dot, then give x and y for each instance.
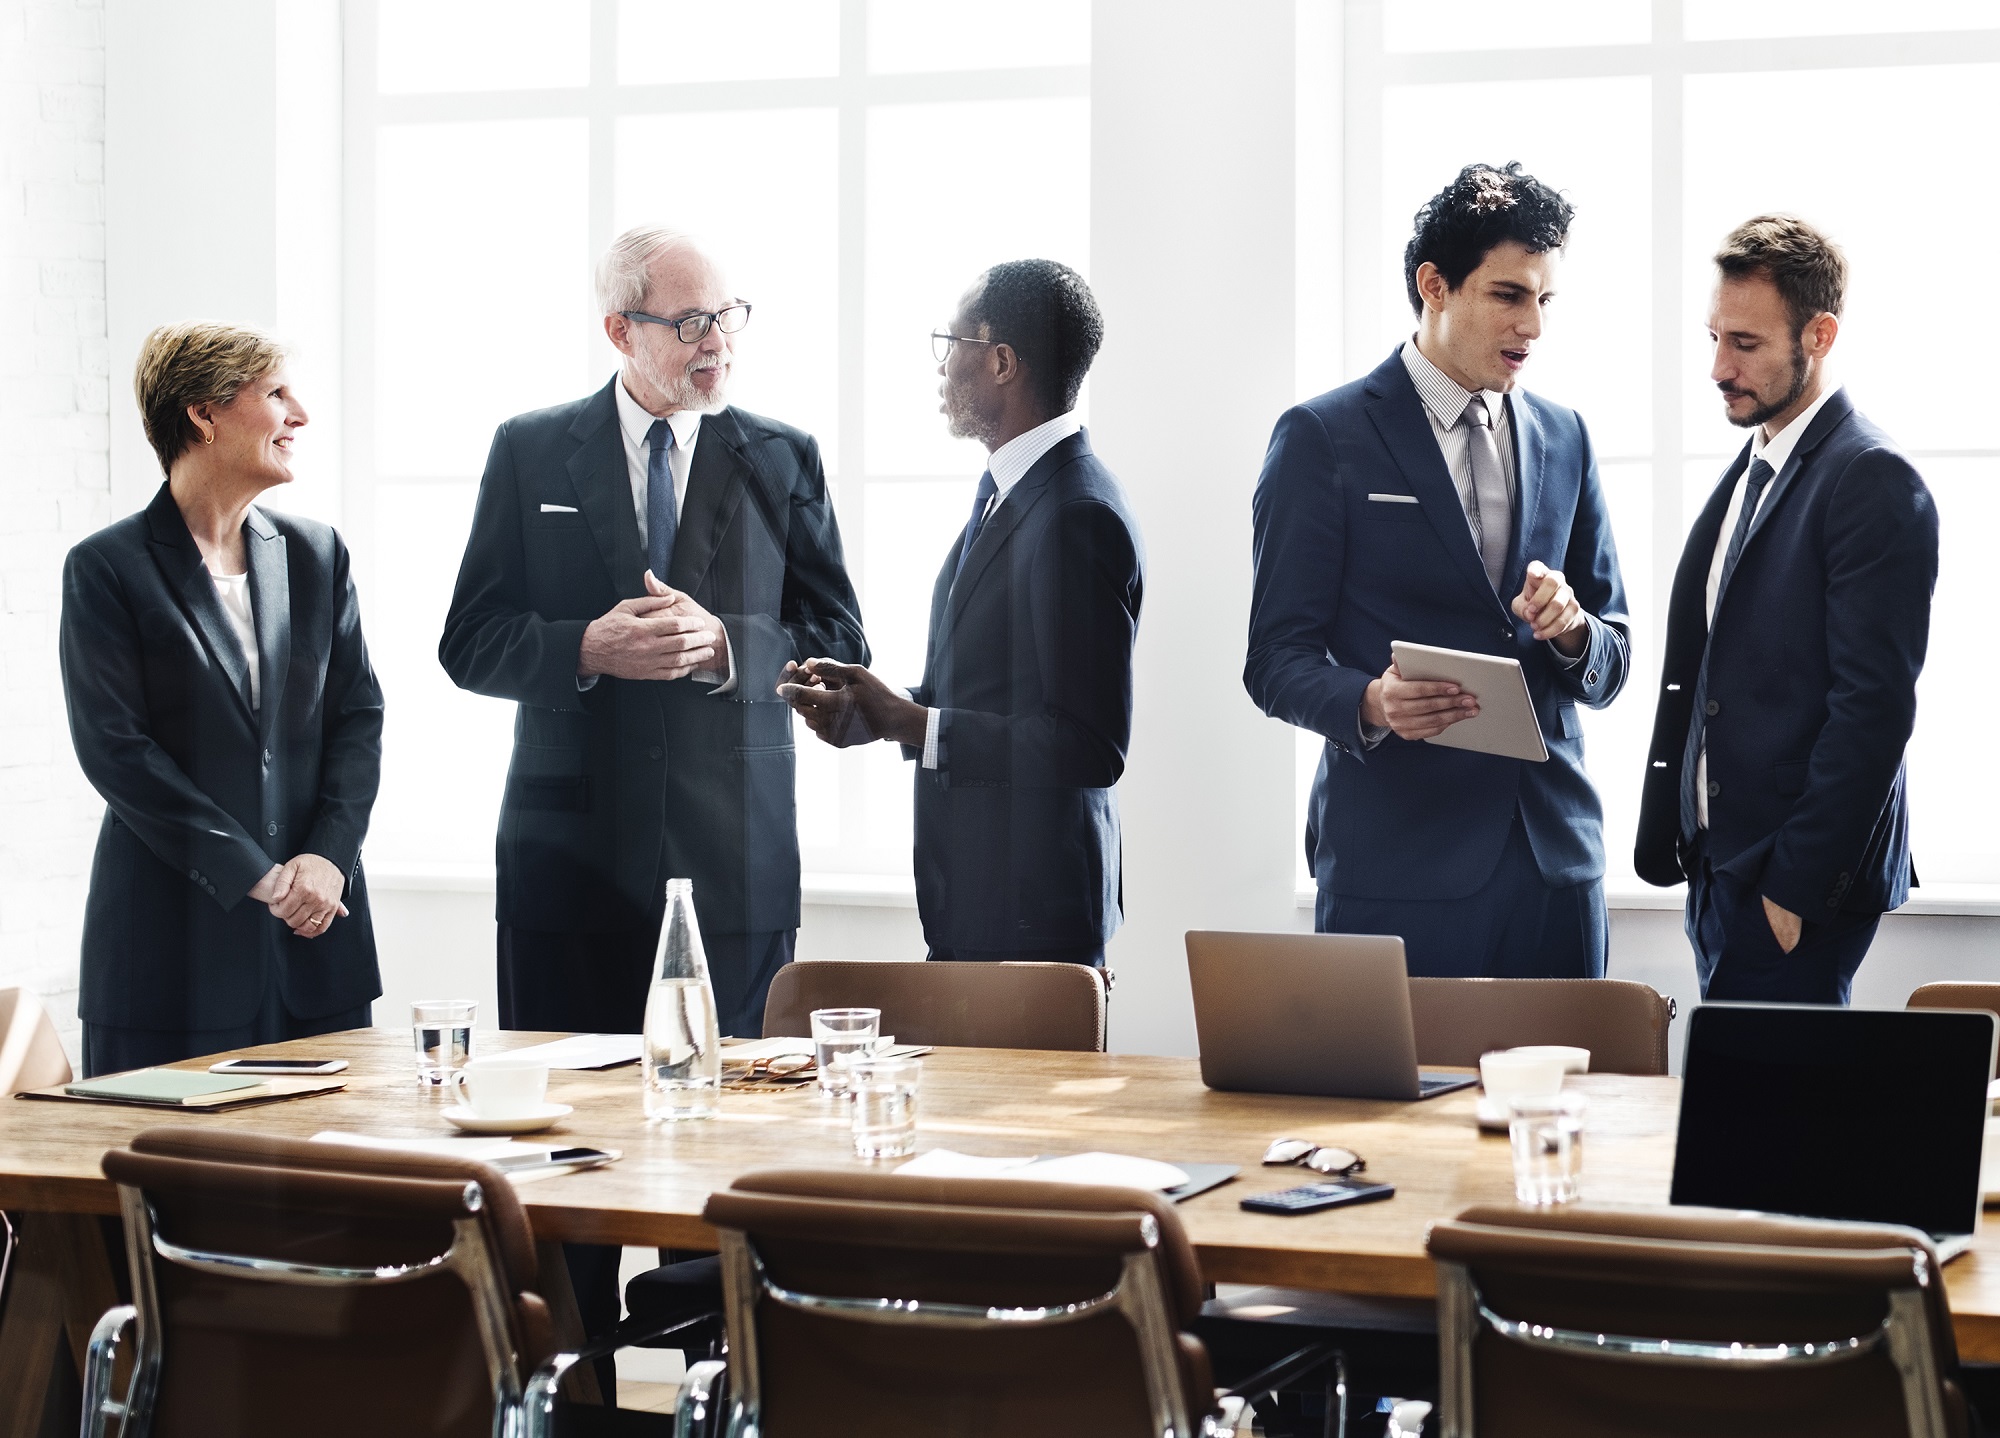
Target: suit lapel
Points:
(716, 481)
(1830, 416)
(1011, 510)
(1398, 416)
(271, 604)
(175, 551)
(603, 485)
(1531, 458)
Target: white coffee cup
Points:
(1574, 1060)
(497, 1086)
(1510, 1074)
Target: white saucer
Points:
(534, 1120)
(1493, 1117)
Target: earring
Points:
(208, 439)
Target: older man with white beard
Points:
(643, 564)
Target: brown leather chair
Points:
(869, 1303)
(1622, 1322)
(281, 1285)
(1959, 996)
(1623, 1024)
(958, 1005)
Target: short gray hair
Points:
(621, 274)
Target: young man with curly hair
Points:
(1434, 501)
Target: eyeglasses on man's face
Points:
(943, 340)
(694, 328)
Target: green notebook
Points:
(168, 1086)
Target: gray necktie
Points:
(1493, 522)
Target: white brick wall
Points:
(55, 484)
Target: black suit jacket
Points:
(1030, 662)
(1812, 670)
(203, 794)
(619, 787)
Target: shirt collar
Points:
(635, 421)
(1017, 456)
(1779, 450)
(1442, 395)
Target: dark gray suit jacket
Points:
(203, 794)
(1030, 662)
(619, 787)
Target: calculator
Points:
(1312, 1197)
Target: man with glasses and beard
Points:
(643, 565)
(1797, 628)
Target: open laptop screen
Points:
(1836, 1113)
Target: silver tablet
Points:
(1506, 723)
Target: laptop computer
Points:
(1325, 1014)
(1869, 1114)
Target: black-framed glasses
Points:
(1331, 1160)
(694, 328)
(943, 340)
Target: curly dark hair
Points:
(1046, 313)
(1460, 225)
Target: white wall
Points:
(53, 403)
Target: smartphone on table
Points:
(278, 1066)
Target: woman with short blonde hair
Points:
(221, 700)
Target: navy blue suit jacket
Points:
(1030, 662)
(619, 787)
(202, 793)
(1812, 671)
(1340, 574)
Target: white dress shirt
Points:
(1008, 465)
(634, 420)
(1776, 452)
(234, 592)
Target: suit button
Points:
(1590, 676)
(1713, 707)
(195, 874)
(271, 829)
(267, 757)
(1506, 631)
(654, 752)
(1714, 789)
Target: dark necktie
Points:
(1754, 481)
(661, 521)
(987, 489)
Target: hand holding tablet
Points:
(1503, 719)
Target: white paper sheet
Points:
(584, 1051)
(1116, 1169)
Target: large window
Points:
(1667, 122)
(852, 164)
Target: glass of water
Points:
(885, 1105)
(1547, 1137)
(443, 1029)
(838, 1035)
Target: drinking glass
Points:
(838, 1034)
(443, 1030)
(885, 1105)
(1547, 1137)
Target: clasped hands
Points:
(304, 893)
(663, 634)
(1423, 709)
(846, 704)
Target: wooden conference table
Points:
(982, 1101)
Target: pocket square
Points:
(1378, 498)
(558, 509)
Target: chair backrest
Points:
(958, 1005)
(1623, 1024)
(1959, 996)
(285, 1285)
(862, 1303)
(1616, 1322)
(31, 1054)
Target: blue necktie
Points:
(987, 489)
(661, 522)
(1754, 480)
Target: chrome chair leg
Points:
(99, 1361)
(698, 1413)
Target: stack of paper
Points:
(1116, 1169)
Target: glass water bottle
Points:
(682, 1065)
